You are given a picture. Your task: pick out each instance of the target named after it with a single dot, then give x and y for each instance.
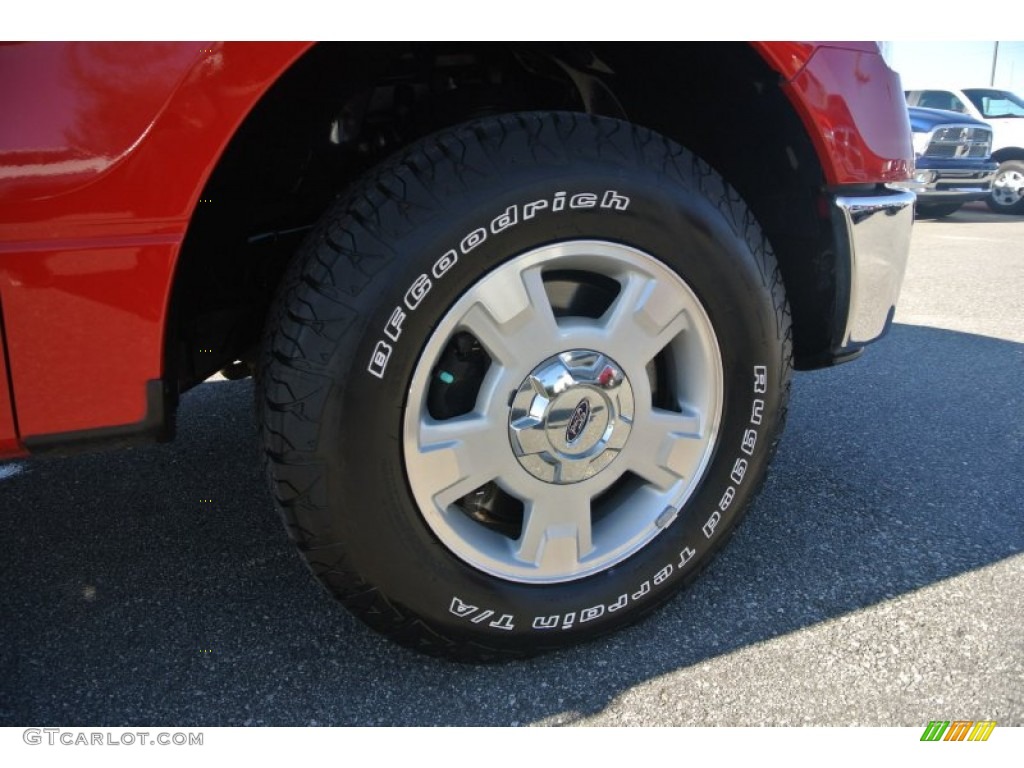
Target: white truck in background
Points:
(1004, 111)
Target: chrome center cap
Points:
(571, 416)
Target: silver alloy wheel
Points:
(564, 420)
(1008, 187)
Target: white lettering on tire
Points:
(594, 612)
(510, 217)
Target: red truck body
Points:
(99, 176)
(104, 152)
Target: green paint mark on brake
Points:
(446, 377)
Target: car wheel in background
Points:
(1008, 188)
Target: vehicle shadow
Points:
(129, 599)
(973, 213)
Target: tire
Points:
(521, 383)
(1008, 188)
(936, 210)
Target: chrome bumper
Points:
(873, 234)
(947, 185)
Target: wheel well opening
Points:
(338, 111)
(343, 108)
(1008, 153)
(725, 104)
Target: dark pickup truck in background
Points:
(953, 160)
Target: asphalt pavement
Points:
(878, 580)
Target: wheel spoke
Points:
(457, 456)
(511, 316)
(556, 532)
(666, 447)
(645, 317)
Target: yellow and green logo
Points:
(958, 730)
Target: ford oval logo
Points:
(578, 421)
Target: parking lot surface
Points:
(878, 579)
